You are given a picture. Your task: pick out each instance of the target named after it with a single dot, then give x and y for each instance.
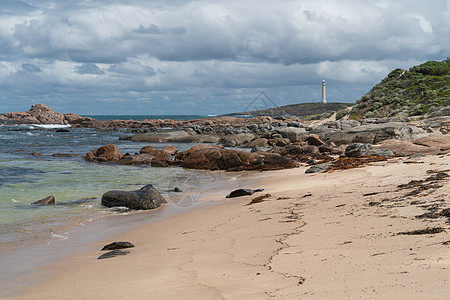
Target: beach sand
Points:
(318, 236)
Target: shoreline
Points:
(34, 257)
(317, 236)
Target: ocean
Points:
(29, 171)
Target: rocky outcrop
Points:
(158, 137)
(292, 133)
(144, 199)
(426, 145)
(157, 153)
(360, 149)
(105, 153)
(219, 158)
(374, 133)
(40, 114)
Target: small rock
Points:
(46, 201)
(243, 192)
(319, 168)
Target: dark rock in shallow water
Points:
(50, 200)
(243, 192)
(145, 198)
(113, 253)
(117, 245)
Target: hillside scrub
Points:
(403, 94)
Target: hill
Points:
(297, 110)
(420, 91)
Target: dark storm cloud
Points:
(211, 52)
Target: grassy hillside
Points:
(402, 93)
(298, 110)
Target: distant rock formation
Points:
(41, 114)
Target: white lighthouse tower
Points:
(324, 98)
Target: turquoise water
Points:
(77, 185)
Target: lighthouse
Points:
(324, 98)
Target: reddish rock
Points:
(158, 154)
(50, 200)
(218, 158)
(159, 163)
(314, 140)
(105, 153)
(171, 150)
(137, 159)
(426, 145)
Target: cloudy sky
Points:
(207, 57)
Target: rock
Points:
(292, 133)
(161, 155)
(219, 158)
(39, 114)
(50, 200)
(274, 161)
(62, 130)
(62, 155)
(357, 149)
(105, 153)
(137, 159)
(243, 192)
(319, 168)
(428, 145)
(145, 198)
(314, 140)
(117, 245)
(170, 150)
(177, 190)
(281, 142)
(236, 140)
(374, 133)
(360, 149)
(158, 137)
(325, 149)
(113, 253)
(159, 163)
(258, 142)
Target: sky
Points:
(95, 57)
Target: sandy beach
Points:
(317, 236)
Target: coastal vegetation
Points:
(420, 91)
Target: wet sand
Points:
(319, 236)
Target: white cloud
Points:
(194, 50)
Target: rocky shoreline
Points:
(275, 143)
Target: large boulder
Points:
(158, 154)
(236, 140)
(360, 149)
(39, 114)
(105, 153)
(374, 133)
(427, 145)
(219, 158)
(144, 199)
(292, 133)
